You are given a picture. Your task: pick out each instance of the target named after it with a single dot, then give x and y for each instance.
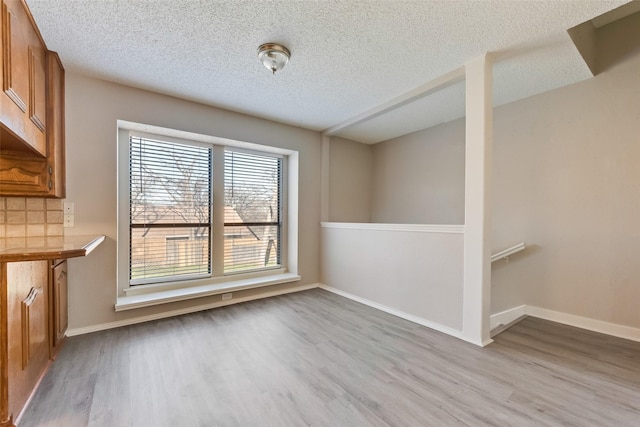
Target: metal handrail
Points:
(506, 253)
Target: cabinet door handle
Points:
(26, 337)
(33, 294)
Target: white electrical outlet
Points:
(68, 221)
(68, 208)
(227, 296)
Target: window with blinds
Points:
(170, 192)
(252, 211)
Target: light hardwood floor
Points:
(316, 359)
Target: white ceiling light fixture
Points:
(274, 56)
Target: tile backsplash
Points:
(30, 217)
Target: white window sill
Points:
(131, 302)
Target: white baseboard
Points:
(504, 317)
(410, 317)
(620, 331)
(507, 316)
(171, 313)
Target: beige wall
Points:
(93, 106)
(350, 172)
(419, 178)
(567, 180)
(417, 273)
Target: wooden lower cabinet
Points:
(33, 314)
(59, 318)
(25, 350)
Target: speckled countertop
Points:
(14, 249)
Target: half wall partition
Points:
(436, 272)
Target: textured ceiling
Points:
(346, 56)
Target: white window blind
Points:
(170, 211)
(252, 211)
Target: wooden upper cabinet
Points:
(32, 155)
(23, 113)
(55, 126)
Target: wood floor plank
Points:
(316, 359)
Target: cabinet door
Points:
(59, 308)
(23, 113)
(22, 175)
(25, 175)
(55, 125)
(28, 328)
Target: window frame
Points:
(281, 207)
(173, 278)
(289, 209)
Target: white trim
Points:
(158, 131)
(439, 83)
(476, 298)
(503, 317)
(290, 220)
(217, 209)
(152, 288)
(613, 329)
(594, 325)
(414, 228)
(325, 167)
(89, 247)
(507, 316)
(131, 302)
(410, 317)
(172, 313)
(289, 242)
